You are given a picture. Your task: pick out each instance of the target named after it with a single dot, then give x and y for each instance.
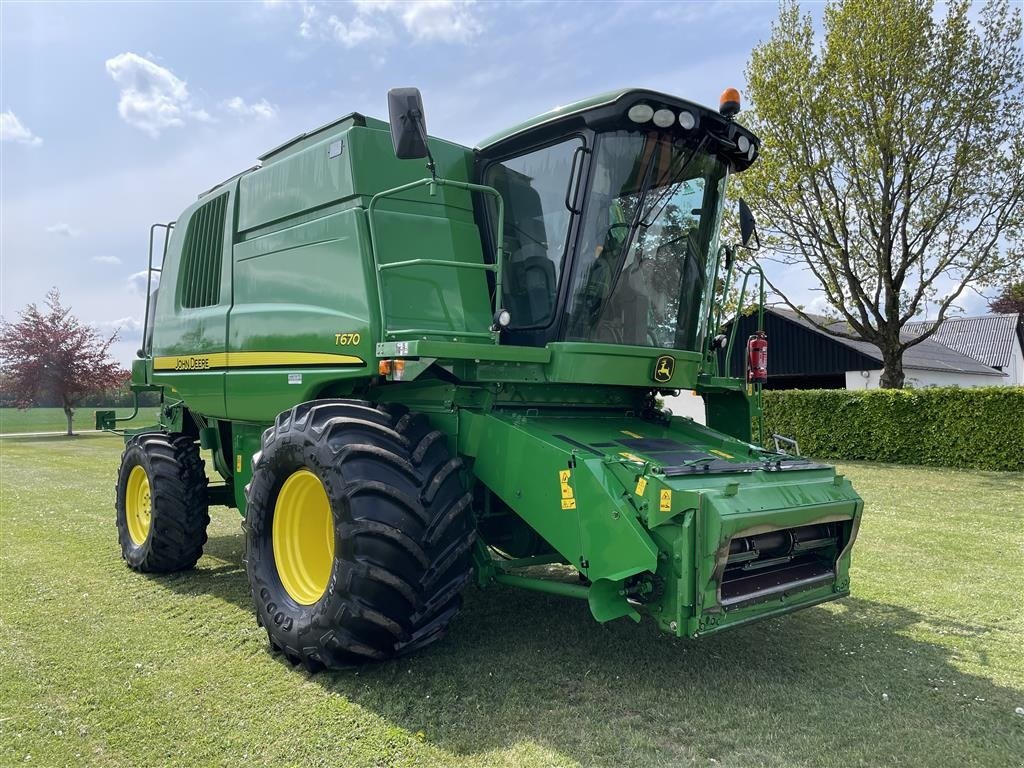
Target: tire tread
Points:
(411, 532)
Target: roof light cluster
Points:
(746, 146)
(732, 139)
(663, 117)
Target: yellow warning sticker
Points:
(568, 497)
(665, 504)
(238, 463)
(641, 486)
(632, 434)
(723, 454)
(632, 457)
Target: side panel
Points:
(561, 491)
(302, 316)
(433, 298)
(189, 343)
(729, 412)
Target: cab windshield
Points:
(649, 224)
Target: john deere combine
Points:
(409, 380)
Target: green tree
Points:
(892, 164)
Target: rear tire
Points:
(402, 534)
(162, 504)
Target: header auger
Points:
(408, 382)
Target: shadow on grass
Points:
(224, 578)
(805, 689)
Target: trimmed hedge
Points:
(976, 428)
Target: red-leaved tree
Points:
(1010, 300)
(49, 354)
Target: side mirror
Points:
(408, 123)
(748, 225)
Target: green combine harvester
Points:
(409, 380)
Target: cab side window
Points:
(533, 187)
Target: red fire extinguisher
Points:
(757, 358)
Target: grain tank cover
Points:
(347, 161)
(307, 139)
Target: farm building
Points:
(982, 351)
(965, 351)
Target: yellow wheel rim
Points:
(138, 506)
(303, 537)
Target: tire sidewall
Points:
(134, 554)
(287, 620)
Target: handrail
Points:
(496, 267)
(150, 269)
(713, 319)
(739, 309)
(753, 268)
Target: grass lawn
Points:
(13, 420)
(923, 666)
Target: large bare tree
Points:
(892, 165)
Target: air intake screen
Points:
(202, 254)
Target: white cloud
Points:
(355, 32)
(106, 259)
(369, 6)
(444, 20)
(447, 21)
(261, 110)
(309, 20)
(128, 328)
(127, 323)
(64, 230)
(137, 282)
(152, 97)
(12, 129)
(819, 305)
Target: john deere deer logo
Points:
(664, 368)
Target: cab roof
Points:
(609, 108)
(558, 112)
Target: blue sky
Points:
(115, 116)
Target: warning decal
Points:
(665, 504)
(568, 497)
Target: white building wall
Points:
(916, 377)
(1015, 370)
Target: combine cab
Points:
(408, 382)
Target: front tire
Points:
(358, 533)
(162, 503)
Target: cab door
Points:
(538, 186)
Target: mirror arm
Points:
(417, 117)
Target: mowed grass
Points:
(14, 420)
(101, 666)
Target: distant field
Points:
(53, 420)
(920, 668)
